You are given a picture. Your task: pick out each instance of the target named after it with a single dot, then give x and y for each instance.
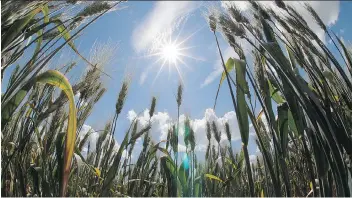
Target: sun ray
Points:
(172, 53)
(161, 68)
(183, 62)
(188, 56)
(179, 32)
(186, 48)
(179, 74)
(168, 78)
(155, 62)
(190, 36)
(149, 55)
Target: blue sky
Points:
(133, 29)
(121, 25)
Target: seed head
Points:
(51, 35)
(207, 152)
(239, 50)
(146, 140)
(134, 132)
(90, 84)
(284, 25)
(140, 133)
(259, 9)
(99, 95)
(94, 8)
(254, 4)
(187, 131)
(122, 97)
(230, 39)
(88, 148)
(230, 26)
(259, 73)
(280, 4)
(316, 17)
(75, 23)
(174, 139)
(103, 135)
(192, 140)
(212, 22)
(296, 15)
(169, 136)
(214, 152)
(237, 15)
(263, 135)
(208, 131)
(227, 130)
(179, 95)
(152, 107)
(216, 132)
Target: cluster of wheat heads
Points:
(304, 90)
(303, 125)
(38, 136)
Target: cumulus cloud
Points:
(161, 121)
(164, 16)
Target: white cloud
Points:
(161, 121)
(164, 17)
(131, 115)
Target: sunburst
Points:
(172, 53)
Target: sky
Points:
(133, 31)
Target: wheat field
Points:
(303, 129)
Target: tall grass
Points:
(303, 123)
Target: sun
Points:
(170, 52)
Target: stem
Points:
(227, 74)
(285, 176)
(249, 171)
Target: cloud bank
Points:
(162, 121)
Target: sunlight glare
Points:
(171, 53)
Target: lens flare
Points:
(185, 161)
(171, 52)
